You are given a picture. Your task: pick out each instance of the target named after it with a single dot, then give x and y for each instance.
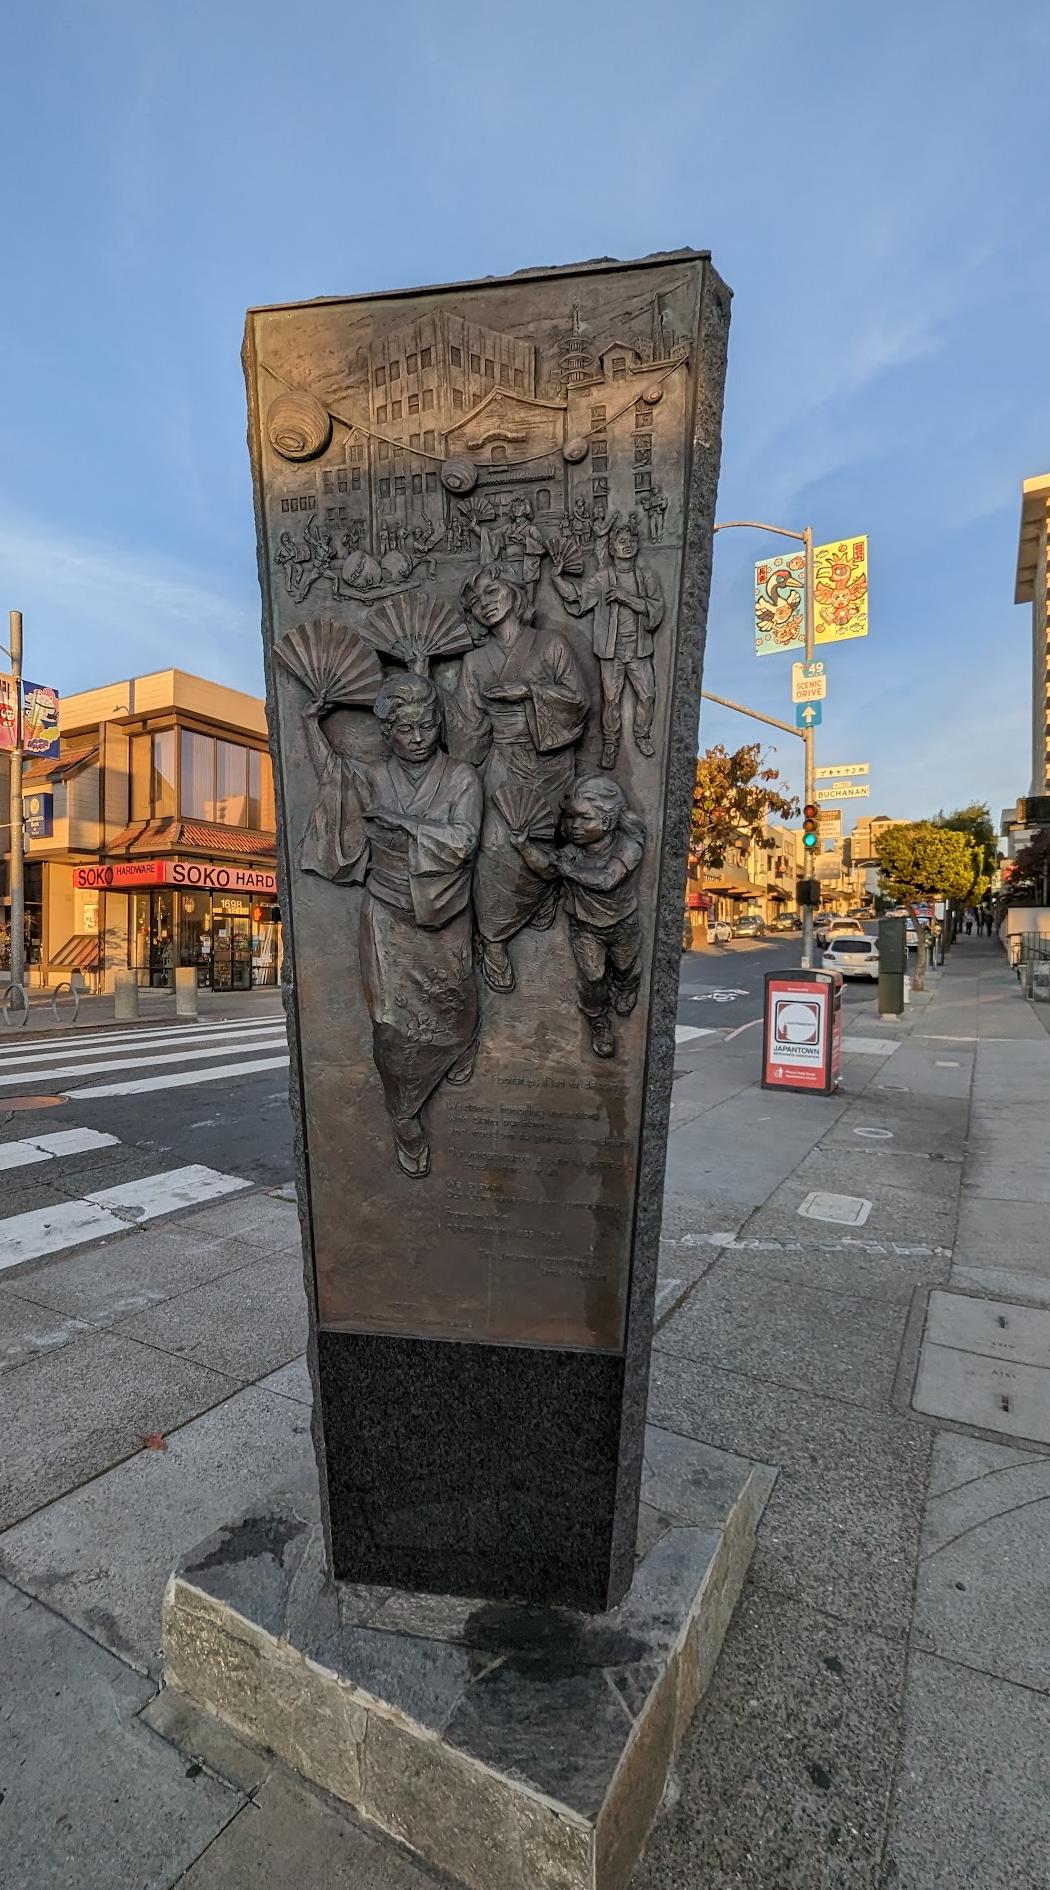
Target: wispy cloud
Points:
(95, 606)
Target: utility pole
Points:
(17, 870)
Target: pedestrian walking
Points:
(969, 922)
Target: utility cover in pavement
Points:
(848, 1210)
(986, 1362)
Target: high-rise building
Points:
(1033, 587)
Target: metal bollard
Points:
(125, 997)
(186, 991)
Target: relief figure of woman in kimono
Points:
(407, 828)
(519, 707)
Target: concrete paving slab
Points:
(292, 1381)
(1032, 1289)
(989, 1393)
(784, 1779)
(853, 1267)
(120, 1276)
(792, 1335)
(842, 1527)
(996, 1328)
(26, 1330)
(897, 1214)
(260, 1219)
(288, 1835)
(1009, 1179)
(102, 1555)
(983, 1593)
(973, 1803)
(959, 1460)
(869, 1168)
(66, 1416)
(1000, 1233)
(245, 1323)
(93, 1800)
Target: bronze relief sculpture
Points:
(407, 829)
(518, 709)
(475, 732)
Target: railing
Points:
(16, 1004)
(1030, 957)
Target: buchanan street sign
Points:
(122, 875)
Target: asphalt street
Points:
(722, 987)
(155, 1102)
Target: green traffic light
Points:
(809, 839)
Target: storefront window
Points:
(231, 784)
(139, 777)
(198, 776)
(195, 933)
(163, 774)
(261, 813)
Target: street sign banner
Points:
(829, 820)
(842, 791)
(779, 615)
(840, 590)
(807, 714)
(39, 814)
(844, 767)
(8, 713)
(40, 719)
(809, 682)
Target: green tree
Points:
(921, 860)
(734, 795)
(975, 820)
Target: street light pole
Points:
(811, 631)
(17, 872)
(805, 538)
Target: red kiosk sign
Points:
(802, 1031)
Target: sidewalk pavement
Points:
(155, 1008)
(880, 1715)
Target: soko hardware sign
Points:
(195, 875)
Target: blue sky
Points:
(871, 181)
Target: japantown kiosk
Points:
(154, 845)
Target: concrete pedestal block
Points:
(522, 1747)
(125, 997)
(186, 991)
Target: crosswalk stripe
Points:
(178, 1079)
(45, 1148)
(173, 1188)
(149, 1060)
(686, 1033)
(73, 1223)
(89, 1043)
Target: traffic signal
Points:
(807, 892)
(810, 836)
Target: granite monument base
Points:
(506, 1745)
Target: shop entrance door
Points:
(231, 955)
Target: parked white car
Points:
(855, 955)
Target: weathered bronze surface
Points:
(471, 511)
